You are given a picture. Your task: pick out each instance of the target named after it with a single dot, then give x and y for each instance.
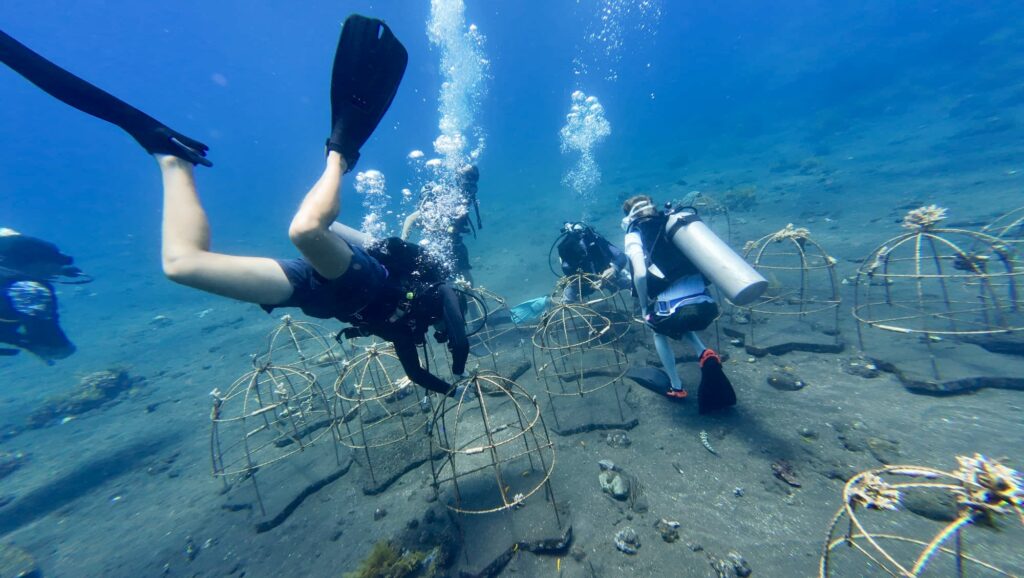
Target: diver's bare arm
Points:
(310, 230)
(186, 254)
(640, 279)
(409, 222)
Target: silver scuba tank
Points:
(737, 280)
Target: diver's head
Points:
(469, 174)
(574, 228)
(636, 207)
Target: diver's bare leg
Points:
(695, 341)
(668, 360)
(186, 254)
(310, 230)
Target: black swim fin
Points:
(715, 390)
(368, 67)
(153, 135)
(651, 378)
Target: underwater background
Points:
(838, 115)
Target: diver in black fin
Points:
(153, 135)
(385, 290)
(672, 255)
(29, 316)
(368, 67)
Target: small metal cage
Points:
(803, 286)
(938, 281)
(1008, 228)
(306, 346)
(496, 449)
(265, 416)
(873, 534)
(377, 404)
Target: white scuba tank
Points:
(733, 276)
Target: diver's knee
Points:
(304, 230)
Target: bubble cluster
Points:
(606, 32)
(372, 188)
(585, 127)
(461, 141)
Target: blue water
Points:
(899, 99)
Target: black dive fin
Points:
(368, 67)
(154, 136)
(715, 390)
(650, 378)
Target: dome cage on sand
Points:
(800, 309)
(306, 346)
(267, 422)
(497, 458)
(490, 328)
(382, 415)
(946, 301)
(1008, 228)
(918, 521)
(577, 353)
(713, 212)
(596, 293)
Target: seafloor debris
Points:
(706, 443)
(618, 440)
(10, 462)
(785, 472)
(386, 560)
(16, 562)
(739, 565)
(93, 391)
(669, 530)
(627, 541)
(614, 483)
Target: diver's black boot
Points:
(715, 390)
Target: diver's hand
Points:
(161, 140)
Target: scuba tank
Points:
(737, 280)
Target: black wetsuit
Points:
(406, 326)
(29, 317)
(374, 300)
(588, 252)
(460, 253)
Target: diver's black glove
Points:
(368, 67)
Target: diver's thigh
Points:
(252, 279)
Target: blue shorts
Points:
(325, 298)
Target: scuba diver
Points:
(29, 318)
(338, 275)
(672, 256)
(468, 177)
(581, 249)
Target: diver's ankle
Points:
(171, 162)
(334, 158)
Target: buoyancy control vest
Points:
(665, 262)
(408, 301)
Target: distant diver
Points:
(29, 318)
(337, 276)
(672, 256)
(468, 179)
(581, 249)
